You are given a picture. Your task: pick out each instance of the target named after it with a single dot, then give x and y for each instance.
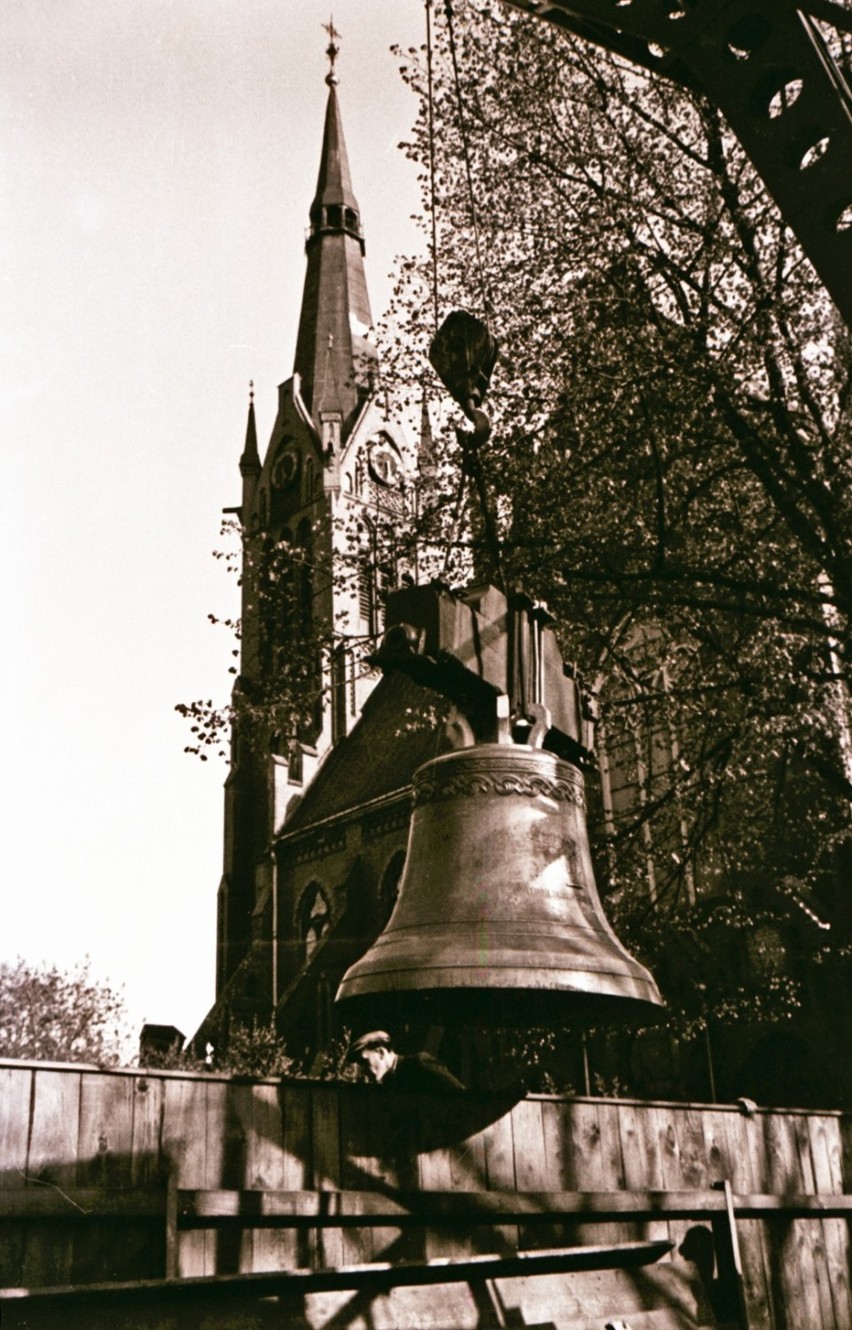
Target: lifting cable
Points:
(458, 501)
(486, 298)
(433, 202)
(472, 466)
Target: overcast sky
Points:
(159, 158)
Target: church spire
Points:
(334, 359)
(250, 460)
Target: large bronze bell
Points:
(498, 919)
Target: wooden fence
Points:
(131, 1175)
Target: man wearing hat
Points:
(374, 1054)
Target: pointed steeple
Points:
(250, 460)
(334, 359)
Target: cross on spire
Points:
(332, 51)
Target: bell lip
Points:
(501, 1008)
(429, 986)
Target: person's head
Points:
(373, 1053)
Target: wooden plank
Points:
(393, 1161)
(15, 1095)
(676, 1154)
(694, 1245)
(612, 1163)
(559, 1157)
(826, 1158)
(436, 1174)
(531, 1169)
(268, 1166)
(184, 1145)
(52, 1154)
(498, 1138)
(654, 1129)
(297, 1162)
(812, 1233)
(747, 1174)
(147, 1165)
(356, 1170)
(105, 1138)
(104, 1158)
(728, 1161)
(719, 1163)
(790, 1246)
(530, 1149)
(641, 1160)
(78, 1203)
(558, 1148)
(584, 1134)
(52, 1160)
(351, 1207)
(325, 1124)
(662, 1146)
(230, 1126)
(377, 1276)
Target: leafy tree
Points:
(670, 460)
(259, 1049)
(61, 1016)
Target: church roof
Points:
(334, 357)
(390, 740)
(334, 184)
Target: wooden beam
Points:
(79, 1203)
(200, 1207)
(364, 1209)
(376, 1277)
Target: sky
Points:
(158, 161)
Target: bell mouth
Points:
(497, 1008)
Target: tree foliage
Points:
(61, 1016)
(280, 685)
(670, 461)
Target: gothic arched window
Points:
(366, 575)
(389, 885)
(639, 750)
(338, 693)
(314, 917)
(304, 577)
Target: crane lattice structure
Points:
(766, 66)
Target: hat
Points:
(373, 1039)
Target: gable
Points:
(390, 740)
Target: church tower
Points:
(319, 518)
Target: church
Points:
(317, 798)
(325, 743)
